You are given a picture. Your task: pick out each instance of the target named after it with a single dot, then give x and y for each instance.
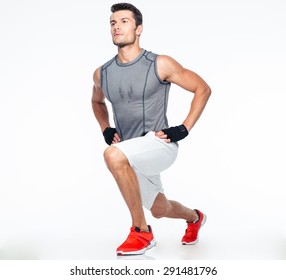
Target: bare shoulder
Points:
(167, 66)
(96, 77)
(166, 60)
(97, 95)
(172, 71)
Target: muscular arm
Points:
(98, 105)
(98, 102)
(171, 71)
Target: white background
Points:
(58, 201)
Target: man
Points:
(142, 145)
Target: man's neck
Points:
(128, 53)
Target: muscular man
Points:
(142, 145)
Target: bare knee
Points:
(114, 158)
(108, 154)
(160, 207)
(158, 212)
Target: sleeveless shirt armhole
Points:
(104, 66)
(153, 57)
(101, 70)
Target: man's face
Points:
(123, 28)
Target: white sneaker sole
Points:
(139, 252)
(197, 240)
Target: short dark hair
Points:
(126, 6)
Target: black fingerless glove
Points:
(176, 133)
(108, 134)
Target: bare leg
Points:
(163, 207)
(127, 182)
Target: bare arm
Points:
(171, 71)
(98, 104)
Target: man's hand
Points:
(173, 134)
(110, 135)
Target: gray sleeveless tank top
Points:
(138, 96)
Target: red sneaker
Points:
(191, 236)
(137, 242)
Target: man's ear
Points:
(139, 30)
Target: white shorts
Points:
(149, 156)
